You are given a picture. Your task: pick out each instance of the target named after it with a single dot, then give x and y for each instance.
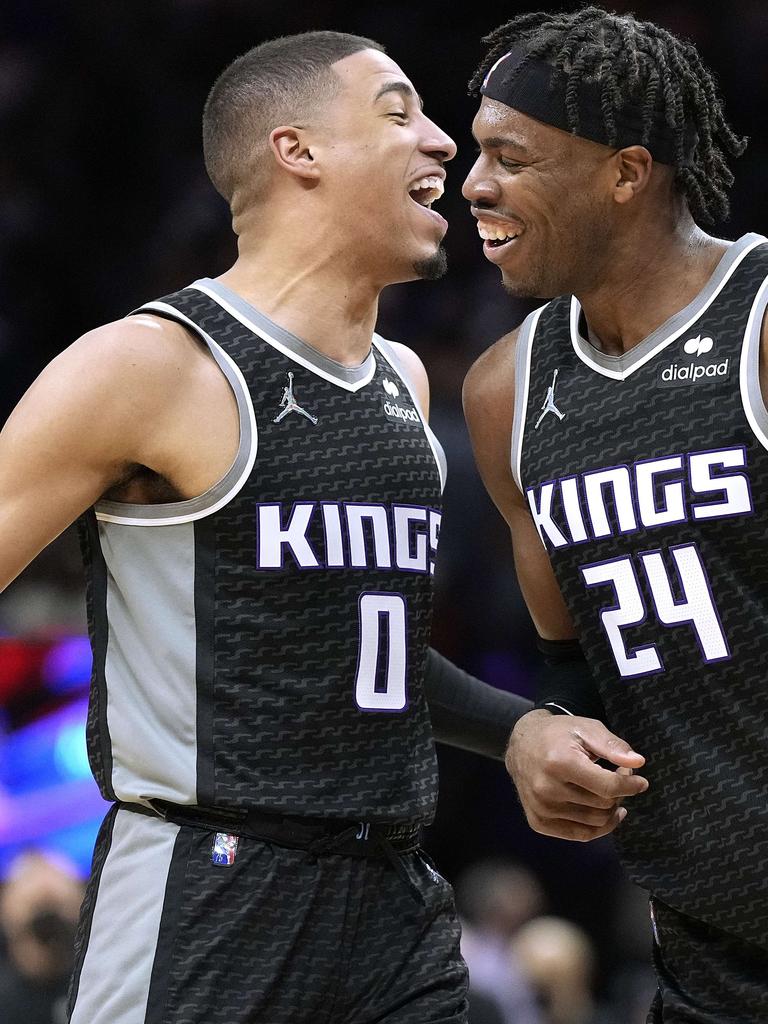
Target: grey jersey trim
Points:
(351, 378)
(174, 512)
(523, 351)
(620, 367)
(749, 368)
(152, 661)
(116, 974)
(388, 351)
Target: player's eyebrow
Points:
(403, 88)
(501, 142)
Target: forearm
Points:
(467, 712)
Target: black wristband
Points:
(467, 712)
(565, 685)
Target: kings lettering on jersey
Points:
(650, 493)
(350, 535)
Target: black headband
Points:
(535, 88)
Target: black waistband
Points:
(318, 835)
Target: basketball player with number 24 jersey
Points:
(623, 432)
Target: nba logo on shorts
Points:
(224, 849)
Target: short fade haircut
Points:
(281, 81)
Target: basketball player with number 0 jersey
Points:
(623, 432)
(259, 497)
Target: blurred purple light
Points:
(67, 665)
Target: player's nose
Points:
(480, 188)
(437, 143)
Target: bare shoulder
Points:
(106, 389)
(489, 387)
(489, 398)
(763, 361)
(417, 374)
(142, 345)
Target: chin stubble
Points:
(432, 268)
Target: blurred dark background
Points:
(104, 203)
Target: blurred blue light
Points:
(30, 757)
(67, 665)
(70, 753)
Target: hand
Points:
(551, 759)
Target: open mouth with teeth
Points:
(426, 191)
(495, 235)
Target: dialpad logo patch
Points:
(696, 364)
(393, 405)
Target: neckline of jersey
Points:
(351, 378)
(620, 367)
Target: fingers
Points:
(563, 791)
(554, 792)
(600, 742)
(571, 803)
(596, 817)
(602, 782)
(564, 828)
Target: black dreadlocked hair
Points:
(639, 62)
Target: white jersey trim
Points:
(749, 368)
(128, 514)
(385, 347)
(523, 355)
(622, 367)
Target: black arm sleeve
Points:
(467, 712)
(565, 684)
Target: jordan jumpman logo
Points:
(289, 404)
(549, 403)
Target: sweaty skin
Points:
(545, 185)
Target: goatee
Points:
(432, 268)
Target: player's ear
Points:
(292, 151)
(632, 167)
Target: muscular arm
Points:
(124, 395)
(764, 359)
(551, 759)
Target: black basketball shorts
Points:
(706, 976)
(178, 927)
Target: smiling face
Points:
(382, 160)
(542, 199)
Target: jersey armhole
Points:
(387, 350)
(523, 353)
(222, 492)
(749, 368)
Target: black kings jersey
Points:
(647, 477)
(264, 644)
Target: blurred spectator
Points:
(495, 898)
(39, 907)
(558, 959)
